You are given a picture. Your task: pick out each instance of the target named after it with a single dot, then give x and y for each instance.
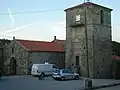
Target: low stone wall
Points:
(19, 70)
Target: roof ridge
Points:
(31, 40)
(85, 3)
(60, 39)
(42, 45)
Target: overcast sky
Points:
(44, 25)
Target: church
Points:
(20, 55)
(87, 45)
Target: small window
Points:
(12, 50)
(77, 60)
(77, 18)
(97, 72)
(103, 59)
(83, 64)
(101, 66)
(102, 16)
(84, 47)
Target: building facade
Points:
(20, 55)
(116, 67)
(88, 40)
(1, 55)
(3, 43)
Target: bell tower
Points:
(88, 39)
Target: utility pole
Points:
(93, 57)
(86, 37)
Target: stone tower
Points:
(88, 40)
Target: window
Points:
(83, 64)
(65, 71)
(84, 47)
(57, 71)
(97, 72)
(69, 71)
(103, 59)
(12, 50)
(54, 66)
(77, 60)
(77, 18)
(101, 16)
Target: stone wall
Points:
(24, 58)
(57, 58)
(102, 47)
(1, 55)
(116, 69)
(15, 50)
(76, 36)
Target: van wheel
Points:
(62, 78)
(41, 76)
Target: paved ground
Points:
(111, 88)
(31, 83)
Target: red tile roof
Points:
(116, 57)
(54, 46)
(42, 46)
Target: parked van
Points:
(45, 69)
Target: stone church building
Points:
(21, 54)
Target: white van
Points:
(46, 69)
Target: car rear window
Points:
(65, 71)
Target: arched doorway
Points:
(13, 66)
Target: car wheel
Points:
(54, 78)
(76, 77)
(62, 78)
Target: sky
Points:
(45, 25)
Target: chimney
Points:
(54, 37)
(13, 38)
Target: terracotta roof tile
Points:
(41, 46)
(116, 57)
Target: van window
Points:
(54, 66)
